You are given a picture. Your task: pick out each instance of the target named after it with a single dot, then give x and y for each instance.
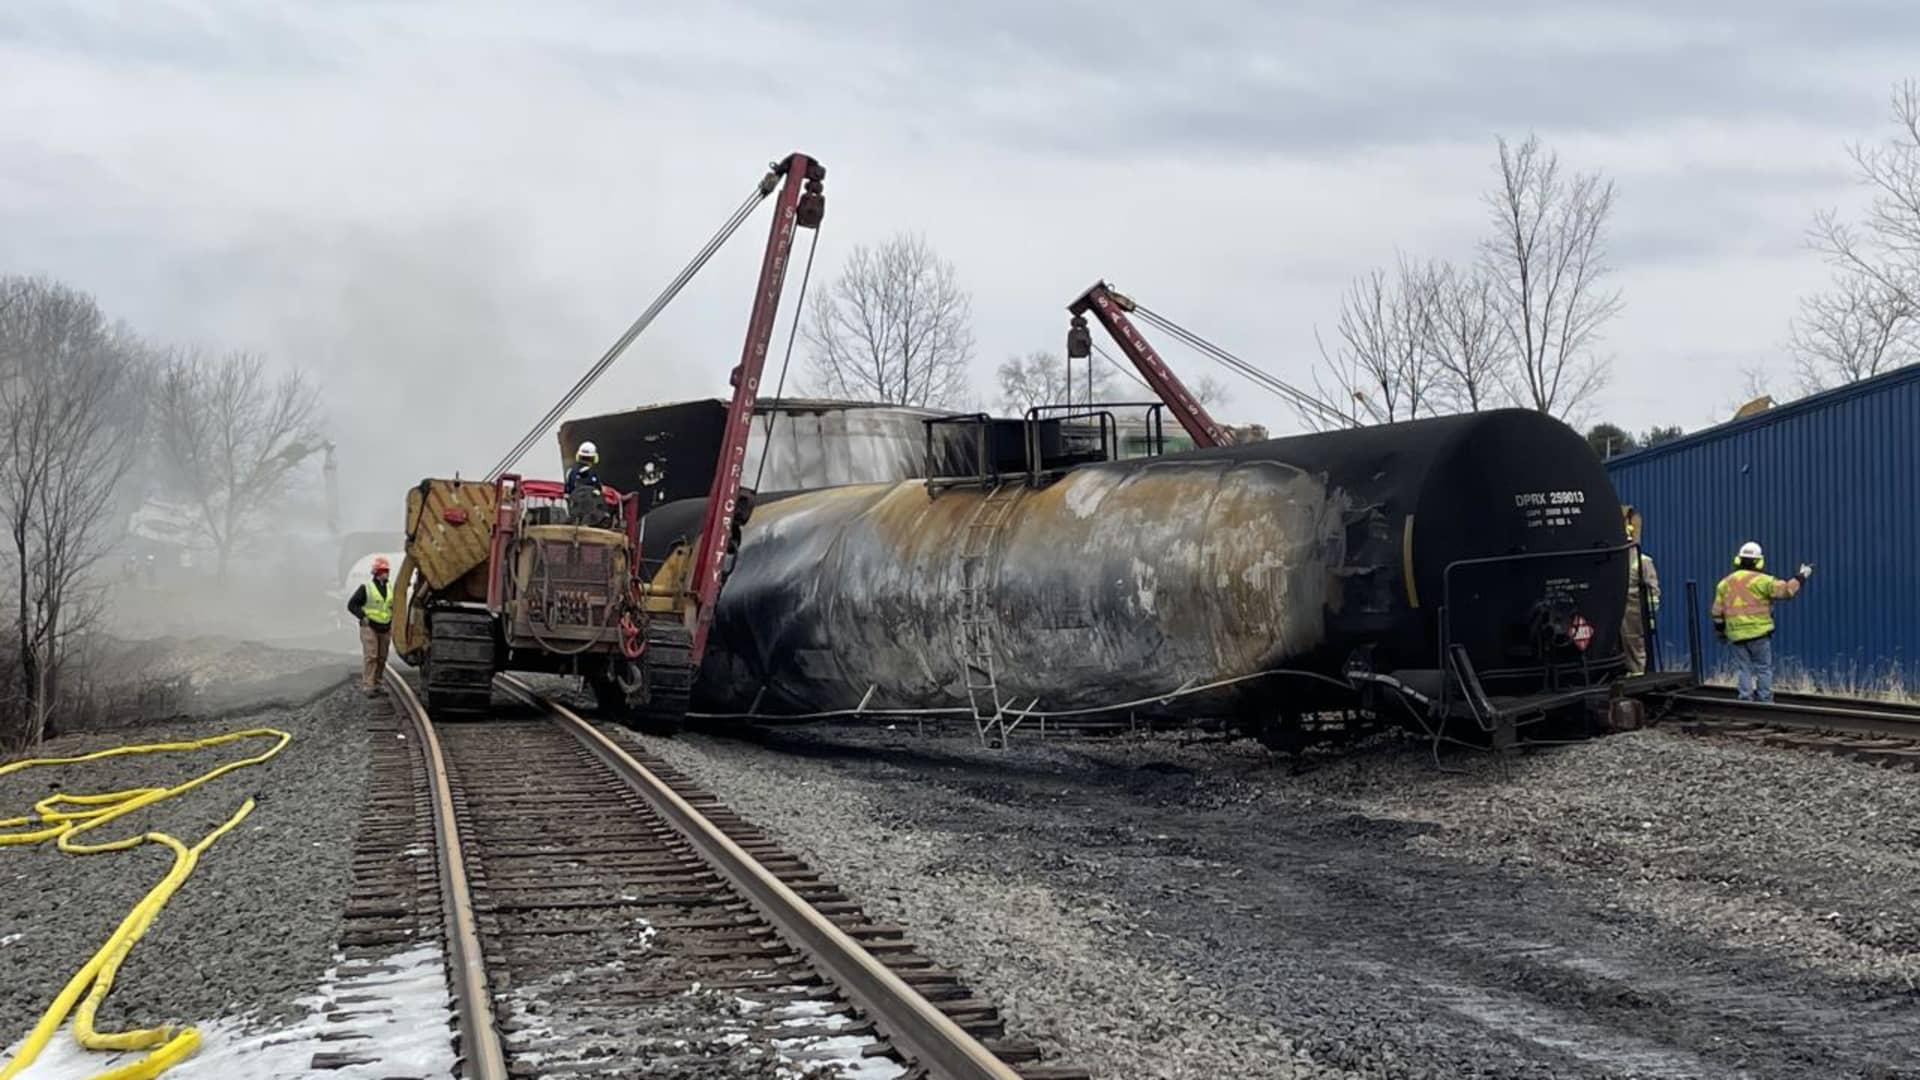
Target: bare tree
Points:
(70, 424)
(1885, 247)
(1468, 345)
(1207, 390)
(1549, 259)
(1865, 324)
(895, 327)
(1041, 378)
(1855, 331)
(230, 435)
(1382, 366)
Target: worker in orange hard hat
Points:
(372, 604)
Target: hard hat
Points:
(1751, 550)
(380, 564)
(587, 452)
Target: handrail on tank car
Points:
(1156, 423)
(985, 475)
(1036, 459)
(1548, 670)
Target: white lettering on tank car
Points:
(1550, 509)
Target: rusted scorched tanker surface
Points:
(1133, 579)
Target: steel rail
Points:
(480, 1050)
(1813, 712)
(918, 1030)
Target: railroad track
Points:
(1885, 733)
(605, 917)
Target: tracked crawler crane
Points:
(513, 574)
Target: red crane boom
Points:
(801, 204)
(1111, 309)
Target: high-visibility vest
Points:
(1744, 601)
(379, 605)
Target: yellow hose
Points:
(65, 818)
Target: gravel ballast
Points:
(255, 925)
(1646, 905)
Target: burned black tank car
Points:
(1460, 567)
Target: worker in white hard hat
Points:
(1743, 617)
(585, 460)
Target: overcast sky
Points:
(446, 210)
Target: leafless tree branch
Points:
(895, 327)
(1382, 366)
(1866, 323)
(1468, 345)
(69, 425)
(1855, 331)
(1041, 378)
(230, 434)
(1548, 258)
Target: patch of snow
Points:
(404, 1034)
(842, 1052)
(832, 1023)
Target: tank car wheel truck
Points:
(509, 574)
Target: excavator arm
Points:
(1111, 309)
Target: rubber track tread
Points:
(669, 671)
(459, 662)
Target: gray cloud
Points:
(167, 35)
(1104, 80)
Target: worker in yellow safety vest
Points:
(372, 604)
(1743, 617)
(1641, 575)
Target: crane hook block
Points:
(1079, 339)
(812, 208)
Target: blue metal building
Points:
(1832, 479)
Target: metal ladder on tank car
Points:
(976, 611)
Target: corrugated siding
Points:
(1833, 480)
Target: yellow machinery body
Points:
(507, 576)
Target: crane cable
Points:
(1122, 368)
(1262, 379)
(63, 818)
(793, 334)
(539, 430)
